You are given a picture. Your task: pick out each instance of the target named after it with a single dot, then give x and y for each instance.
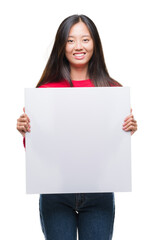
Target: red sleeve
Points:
(24, 142)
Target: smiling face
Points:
(80, 46)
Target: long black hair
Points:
(57, 67)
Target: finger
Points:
(22, 119)
(24, 115)
(133, 124)
(129, 116)
(128, 119)
(21, 129)
(27, 117)
(130, 128)
(131, 120)
(131, 110)
(25, 126)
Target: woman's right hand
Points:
(23, 125)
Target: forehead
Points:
(79, 29)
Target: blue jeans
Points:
(91, 213)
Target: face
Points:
(79, 47)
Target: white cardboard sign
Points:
(76, 143)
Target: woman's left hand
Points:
(130, 124)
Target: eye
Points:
(86, 40)
(70, 40)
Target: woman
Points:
(77, 60)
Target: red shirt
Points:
(64, 83)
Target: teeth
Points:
(79, 54)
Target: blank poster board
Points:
(76, 143)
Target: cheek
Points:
(91, 48)
(68, 49)
(67, 52)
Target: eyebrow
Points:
(82, 36)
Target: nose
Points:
(78, 45)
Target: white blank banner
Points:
(76, 143)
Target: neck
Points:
(80, 73)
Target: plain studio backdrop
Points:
(27, 31)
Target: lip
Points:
(79, 55)
(76, 53)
